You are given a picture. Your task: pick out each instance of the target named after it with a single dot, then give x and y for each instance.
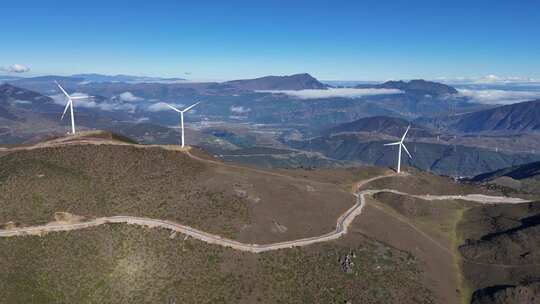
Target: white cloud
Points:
(499, 96)
(489, 79)
(332, 92)
(240, 110)
(142, 119)
(161, 106)
(15, 68)
(90, 103)
(129, 97)
(21, 101)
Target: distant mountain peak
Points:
(421, 86)
(418, 87)
(303, 81)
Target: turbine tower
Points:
(401, 145)
(182, 117)
(70, 105)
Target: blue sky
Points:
(341, 40)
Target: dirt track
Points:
(342, 225)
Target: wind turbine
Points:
(182, 117)
(70, 105)
(401, 145)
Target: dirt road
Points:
(342, 225)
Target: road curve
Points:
(342, 225)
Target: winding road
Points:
(342, 225)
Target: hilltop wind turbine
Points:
(70, 105)
(182, 117)
(401, 145)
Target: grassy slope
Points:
(106, 180)
(111, 180)
(127, 264)
(438, 221)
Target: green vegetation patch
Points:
(128, 264)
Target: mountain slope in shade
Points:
(381, 124)
(440, 158)
(530, 170)
(292, 82)
(17, 98)
(524, 178)
(519, 117)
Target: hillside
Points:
(26, 115)
(60, 180)
(163, 183)
(18, 98)
(518, 117)
(196, 217)
(500, 252)
(524, 178)
(292, 82)
(382, 125)
(531, 170)
(442, 158)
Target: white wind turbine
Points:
(70, 105)
(182, 117)
(401, 145)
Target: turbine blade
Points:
(393, 144)
(66, 108)
(405, 148)
(62, 89)
(168, 105)
(190, 107)
(405, 133)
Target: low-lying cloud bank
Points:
(90, 103)
(499, 96)
(489, 79)
(332, 93)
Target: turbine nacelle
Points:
(69, 105)
(182, 117)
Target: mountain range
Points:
(125, 78)
(339, 128)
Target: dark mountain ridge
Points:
(292, 82)
(518, 117)
(530, 170)
(18, 98)
(417, 87)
